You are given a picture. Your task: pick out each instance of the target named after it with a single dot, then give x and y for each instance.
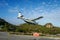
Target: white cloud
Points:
(55, 0)
(51, 15)
(13, 9)
(43, 3)
(3, 3)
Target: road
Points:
(6, 36)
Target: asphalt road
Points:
(6, 36)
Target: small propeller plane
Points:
(33, 21)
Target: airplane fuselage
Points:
(20, 16)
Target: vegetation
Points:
(27, 28)
(5, 26)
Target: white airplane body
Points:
(20, 16)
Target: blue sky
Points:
(49, 9)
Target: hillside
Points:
(38, 28)
(6, 26)
(28, 28)
(2, 21)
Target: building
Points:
(49, 25)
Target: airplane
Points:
(29, 21)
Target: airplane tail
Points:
(20, 15)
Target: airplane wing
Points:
(37, 18)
